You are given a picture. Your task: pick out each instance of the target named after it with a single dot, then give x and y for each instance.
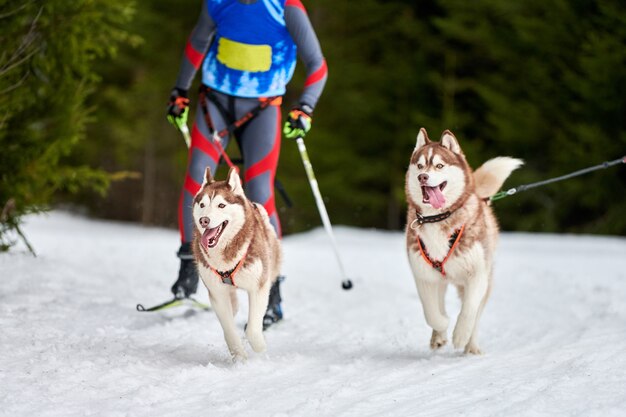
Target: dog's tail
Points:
(492, 174)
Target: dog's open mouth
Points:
(210, 237)
(434, 195)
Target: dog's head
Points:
(219, 209)
(438, 175)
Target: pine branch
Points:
(5, 218)
(16, 58)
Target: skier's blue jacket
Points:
(252, 54)
(247, 48)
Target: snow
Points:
(72, 343)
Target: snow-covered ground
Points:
(72, 343)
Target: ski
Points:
(175, 302)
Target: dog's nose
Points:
(422, 178)
(204, 222)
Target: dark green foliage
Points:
(550, 80)
(130, 132)
(539, 80)
(362, 130)
(542, 80)
(46, 73)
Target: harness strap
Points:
(207, 93)
(455, 238)
(228, 277)
(207, 117)
(233, 125)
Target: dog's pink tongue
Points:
(435, 197)
(208, 235)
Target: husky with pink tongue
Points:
(451, 233)
(235, 246)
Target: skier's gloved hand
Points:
(298, 122)
(178, 108)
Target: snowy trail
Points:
(72, 344)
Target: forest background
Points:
(84, 86)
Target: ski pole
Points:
(346, 283)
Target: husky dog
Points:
(452, 232)
(235, 246)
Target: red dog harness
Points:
(455, 238)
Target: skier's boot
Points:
(274, 312)
(187, 281)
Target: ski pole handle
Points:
(185, 131)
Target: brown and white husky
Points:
(452, 233)
(235, 246)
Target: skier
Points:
(247, 51)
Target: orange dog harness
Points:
(228, 277)
(455, 238)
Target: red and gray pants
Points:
(259, 141)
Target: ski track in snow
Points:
(553, 332)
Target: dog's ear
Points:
(234, 182)
(449, 141)
(208, 178)
(422, 139)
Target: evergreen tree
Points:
(129, 132)
(46, 74)
(543, 80)
(367, 120)
(546, 83)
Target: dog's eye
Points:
(221, 205)
(439, 166)
(420, 166)
(201, 205)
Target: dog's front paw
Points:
(239, 356)
(238, 352)
(438, 339)
(461, 334)
(472, 348)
